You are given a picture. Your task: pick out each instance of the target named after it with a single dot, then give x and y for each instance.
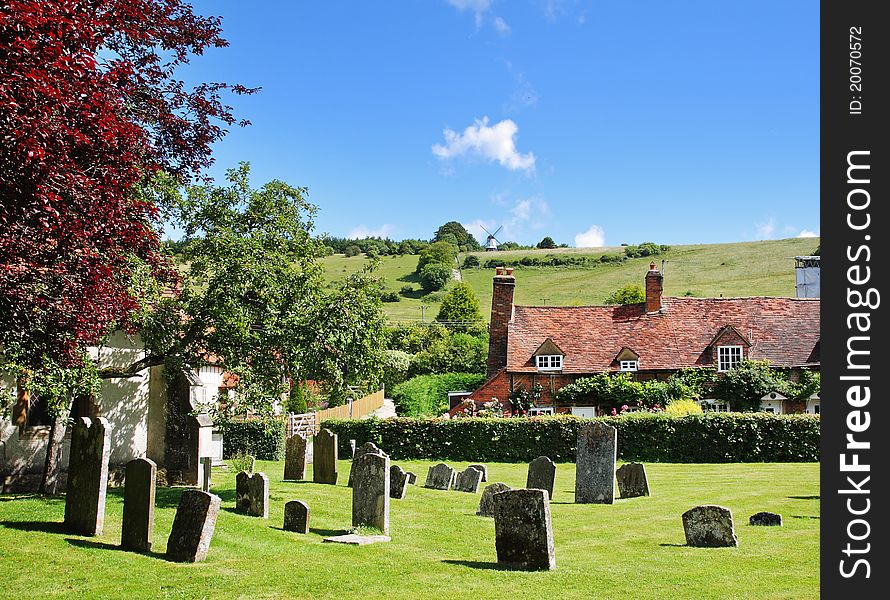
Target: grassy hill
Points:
(704, 270)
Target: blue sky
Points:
(592, 122)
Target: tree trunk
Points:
(49, 483)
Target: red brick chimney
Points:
(501, 315)
(654, 287)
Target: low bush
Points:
(707, 438)
(434, 276)
(428, 394)
(262, 438)
(390, 296)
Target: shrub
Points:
(547, 242)
(745, 385)
(395, 368)
(242, 462)
(407, 290)
(460, 305)
(682, 407)
(436, 253)
(471, 262)
(434, 276)
(428, 394)
(456, 353)
(352, 250)
(263, 438)
(707, 438)
(628, 294)
(296, 399)
(390, 297)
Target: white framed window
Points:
(540, 410)
(630, 365)
(548, 362)
(728, 357)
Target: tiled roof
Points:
(784, 331)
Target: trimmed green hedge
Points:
(427, 395)
(708, 438)
(262, 438)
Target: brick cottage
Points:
(553, 346)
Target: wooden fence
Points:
(351, 410)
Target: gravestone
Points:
(709, 526)
(207, 464)
(541, 475)
(523, 530)
(353, 539)
(296, 516)
(295, 458)
(632, 480)
(324, 457)
(486, 504)
(352, 448)
(139, 505)
(595, 463)
(366, 448)
(440, 477)
(398, 482)
(766, 519)
(412, 477)
(468, 480)
(193, 526)
(252, 494)
(87, 476)
(370, 492)
(484, 470)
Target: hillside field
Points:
(762, 268)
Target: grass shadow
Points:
(327, 532)
(478, 564)
(79, 543)
(805, 497)
(675, 545)
(41, 526)
(804, 517)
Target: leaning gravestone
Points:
(193, 526)
(412, 477)
(595, 463)
(766, 519)
(440, 477)
(139, 505)
(398, 482)
(709, 526)
(468, 480)
(632, 481)
(252, 494)
(370, 492)
(484, 470)
(366, 448)
(486, 504)
(295, 458)
(324, 457)
(296, 516)
(523, 530)
(87, 476)
(541, 475)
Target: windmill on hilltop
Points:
(491, 244)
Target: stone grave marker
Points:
(486, 503)
(468, 480)
(541, 475)
(595, 463)
(295, 458)
(193, 526)
(87, 476)
(412, 477)
(252, 494)
(632, 480)
(709, 526)
(484, 469)
(324, 459)
(366, 448)
(207, 464)
(523, 530)
(398, 482)
(296, 516)
(440, 477)
(352, 447)
(766, 519)
(370, 492)
(137, 527)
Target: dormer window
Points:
(630, 365)
(548, 362)
(728, 357)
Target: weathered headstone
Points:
(766, 519)
(523, 530)
(295, 458)
(412, 477)
(484, 470)
(468, 480)
(440, 477)
(193, 526)
(632, 480)
(324, 460)
(207, 464)
(296, 516)
(87, 476)
(370, 492)
(709, 526)
(366, 448)
(486, 503)
(137, 527)
(595, 463)
(352, 446)
(398, 482)
(541, 475)
(252, 494)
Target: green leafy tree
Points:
(628, 294)
(442, 253)
(455, 233)
(460, 305)
(434, 276)
(471, 262)
(547, 242)
(745, 385)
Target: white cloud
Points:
(523, 214)
(495, 143)
(767, 228)
(524, 96)
(806, 233)
(594, 237)
(501, 26)
(362, 231)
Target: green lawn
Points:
(440, 549)
(707, 270)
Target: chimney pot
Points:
(499, 271)
(652, 267)
(509, 270)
